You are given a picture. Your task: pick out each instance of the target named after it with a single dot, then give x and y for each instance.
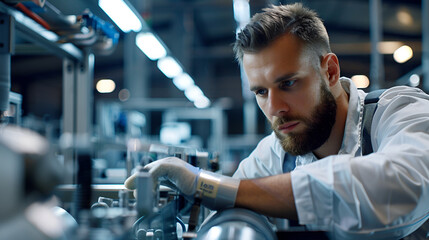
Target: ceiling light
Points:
(150, 46)
(183, 81)
(361, 81)
(170, 67)
(105, 86)
(403, 54)
(241, 11)
(388, 47)
(121, 13)
(193, 93)
(404, 17)
(202, 102)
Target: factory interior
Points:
(91, 92)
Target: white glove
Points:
(217, 191)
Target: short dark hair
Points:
(275, 21)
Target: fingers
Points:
(156, 170)
(130, 182)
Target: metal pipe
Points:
(376, 32)
(425, 44)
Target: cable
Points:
(33, 16)
(182, 224)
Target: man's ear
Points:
(331, 68)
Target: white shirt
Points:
(384, 195)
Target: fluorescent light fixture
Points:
(241, 11)
(361, 81)
(121, 13)
(105, 86)
(403, 54)
(150, 46)
(202, 102)
(170, 67)
(193, 93)
(183, 81)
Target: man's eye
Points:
(287, 84)
(260, 92)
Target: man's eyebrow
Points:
(279, 79)
(286, 77)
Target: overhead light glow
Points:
(183, 81)
(241, 11)
(404, 17)
(414, 80)
(403, 54)
(124, 95)
(361, 81)
(388, 47)
(105, 86)
(170, 67)
(121, 13)
(193, 93)
(150, 46)
(202, 102)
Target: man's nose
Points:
(277, 104)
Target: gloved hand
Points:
(217, 191)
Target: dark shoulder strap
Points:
(370, 105)
(288, 163)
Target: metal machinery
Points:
(158, 211)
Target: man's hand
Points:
(217, 191)
(172, 169)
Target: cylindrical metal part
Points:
(376, 35)
(145, 193)
(236, 223)
(123, 199)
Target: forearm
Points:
(271, 196)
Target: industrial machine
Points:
(154, 211)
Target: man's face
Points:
(292, 94)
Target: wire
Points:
(136, 224)
(33, 16)
(182, 224)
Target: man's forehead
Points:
(287, 45)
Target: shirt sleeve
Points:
(265, 160)
(384, 194)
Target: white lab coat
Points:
(384, 195)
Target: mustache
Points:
(282, 120)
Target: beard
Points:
(319, 126)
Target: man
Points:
(317, 117)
